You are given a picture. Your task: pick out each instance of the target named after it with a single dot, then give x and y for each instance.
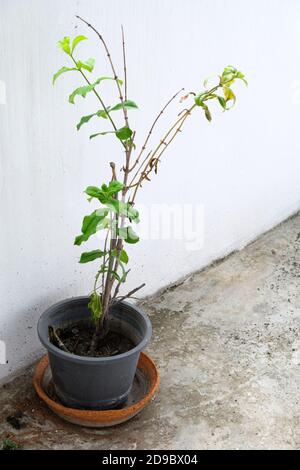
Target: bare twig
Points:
(128, 147)
(53, 334)
(115, 76)
(113, 170)
(150, 132)
(104, 258)
(152, 160)
(126, 167)
(124, 63)
(116, 290)
(143, 171)
(133, 291)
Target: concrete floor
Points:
(227, 344)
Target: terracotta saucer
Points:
(145, 384)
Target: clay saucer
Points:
(145, 384)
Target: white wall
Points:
(243, 167)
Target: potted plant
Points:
(94, 342)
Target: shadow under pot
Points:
(96, 383)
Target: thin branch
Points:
(143, 169)
(116, 290)
(151, 156)
(98, 96)
(128, 147)
(104, 257)
(133, 291)
(157, 159)
(150, 132)
(126, 167)
(124, 63)
(96, 280)
(113, 170)
(115, 76)
(53, 334)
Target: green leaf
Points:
(222, 102)
(128, 104)
(102, 113)
(101, 133)
(61, 71)
(90, 225)
(128, 235)
(84, 119)
(114, 187)
(76, 41)
(105, 193)
(229, 69)
(95, 306)
(200, 98)
(124, 273)
(64, 44)
(81, 91)
(87, 65)
(121, 264)
(123, 208)
(123, 257)
(241, 76)
(94, 191)
(124, 133)
(84, 90)
(228, 75)
(116, 276)
(90, 256)
(90, 220)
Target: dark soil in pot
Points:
(77, 337)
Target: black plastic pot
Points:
(94, 382)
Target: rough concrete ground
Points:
(228, 348)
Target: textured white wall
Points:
(243, 167)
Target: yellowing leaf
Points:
(229, 95)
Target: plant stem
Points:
(116, 243)
(124, 63)
(111, 64)
(97, 94)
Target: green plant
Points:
(9, 444)
(116, 212)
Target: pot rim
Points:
(90, 359)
